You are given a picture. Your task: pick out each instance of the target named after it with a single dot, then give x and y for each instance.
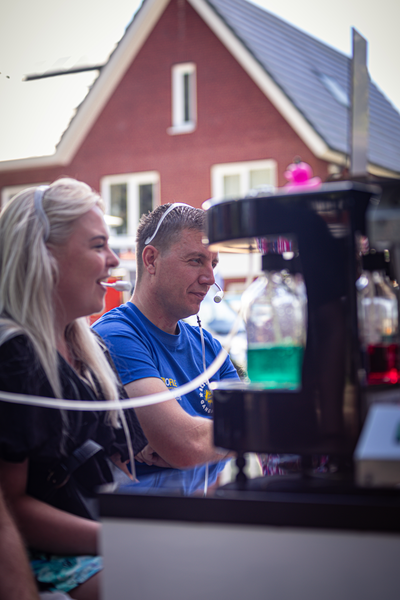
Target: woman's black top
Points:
(41, 434)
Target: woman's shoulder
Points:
(18, 344)
(20, 368)
(24, 428)
(15, 351)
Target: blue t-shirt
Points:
(140, 349)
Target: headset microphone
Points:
(219, 295)
(119, 286)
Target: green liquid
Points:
(275, 367)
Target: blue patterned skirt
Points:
(63, 573)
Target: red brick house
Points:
(199, 99)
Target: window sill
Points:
(183, 128)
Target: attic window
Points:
(184, 109)
(335, 89)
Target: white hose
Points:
(120, 404)
(100, 405)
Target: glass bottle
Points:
(294, 279)
(276, 329)
(378, 321)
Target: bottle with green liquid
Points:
(276, 326)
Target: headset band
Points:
(151, 238)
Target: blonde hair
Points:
(29, 272)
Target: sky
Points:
(37, 35)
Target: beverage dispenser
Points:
(325, 413)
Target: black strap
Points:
(81, 455)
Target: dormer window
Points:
(184, 109)
(335, 89)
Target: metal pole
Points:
(359, 117)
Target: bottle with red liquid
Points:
(378, 321)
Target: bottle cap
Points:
(276, 262)
(374, 261)
(273, 262)
(293, 265)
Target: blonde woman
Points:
(54, 256)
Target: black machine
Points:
(328, 227)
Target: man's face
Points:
(184, 274)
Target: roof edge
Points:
(274, 93)
(34, 162)
(382, 171)
(261, 78)
(112, 73)
(128, 47)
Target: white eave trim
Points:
(263, 80)
(382, 172)
(274, 93)
(102, 89)
(110, 76)
(36, 162)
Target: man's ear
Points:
(149, 256)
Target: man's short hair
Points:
(180, 218)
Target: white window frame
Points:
(243, 169)
(180, 124)
(133, 181)
(234, 265)
(10, 191)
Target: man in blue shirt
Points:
(154, 350)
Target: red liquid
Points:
(383, 364)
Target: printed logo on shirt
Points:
(206, 400)
(171, 384)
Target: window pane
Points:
(145, 198)
(232, 186)
(118, 207)
(260, 177)
(186, 97)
